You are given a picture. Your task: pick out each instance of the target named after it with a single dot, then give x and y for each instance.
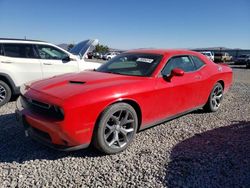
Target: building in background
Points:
(234, 52)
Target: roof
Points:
(13, 39)
(163, 51)
(23, 41)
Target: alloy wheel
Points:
(217, 96)
(119, 129)
(2, 93)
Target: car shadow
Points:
(216, 158)
(15, 147)
(199, 111)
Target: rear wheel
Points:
(5, 93)
(116, 128)
(215, 98)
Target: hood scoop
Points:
(76, 82)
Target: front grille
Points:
(39, 104)
(43, 109)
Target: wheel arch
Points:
(222, 83)
(137, 108)
(7, 79)
(214, 83)
(132, 103)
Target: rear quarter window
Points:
(19, 50)
(198, 62)
(11, 50)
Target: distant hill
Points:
(63, 46)
(217, 48)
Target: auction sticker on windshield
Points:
(145, 60)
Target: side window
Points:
(198, 62)
(182, 62)
(19, 50)
(50, 52)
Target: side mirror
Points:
(174, 72)
(66, 59)
(177, 72)
(69, 58)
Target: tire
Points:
(215, 98)
(5, 93)
(109, 58)
(116, 128)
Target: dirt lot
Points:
(195, 150)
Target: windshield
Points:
(134, 64)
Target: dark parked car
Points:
(243, 59)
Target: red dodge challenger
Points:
(131, 92)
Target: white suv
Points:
(23, 61)
(209, 55)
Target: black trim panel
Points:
(32, 134)
(168, 118)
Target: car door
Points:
(55, 61)
(21, 62)
(203, 81)
(180, 93)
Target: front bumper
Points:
(39, 132)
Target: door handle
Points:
(47, 63)
(197, 77)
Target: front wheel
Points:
(215, 98)
(116, 128)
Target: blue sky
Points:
(130, 23)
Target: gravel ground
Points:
(195, 150)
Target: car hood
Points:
(68, 85)
(82, 48)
